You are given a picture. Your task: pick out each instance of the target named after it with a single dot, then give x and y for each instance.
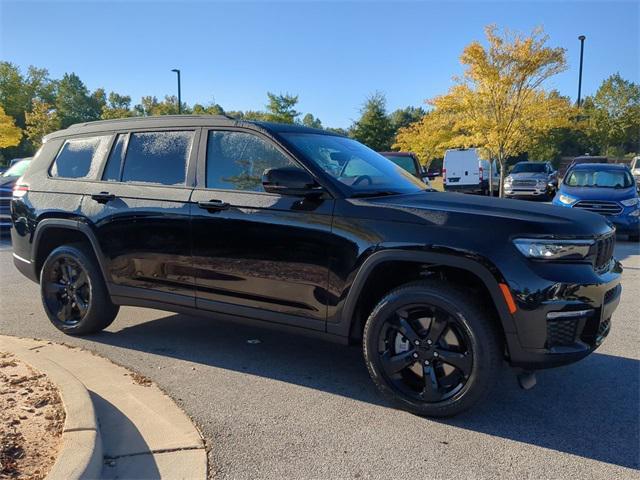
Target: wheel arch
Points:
(77, 230)
(490, 280)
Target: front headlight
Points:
(508, 180)
(553, 249)
(630, 202)
(566, 199)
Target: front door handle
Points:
(214, 205)
(103, 197)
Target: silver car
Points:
(531, 179)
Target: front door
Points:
(257, 254)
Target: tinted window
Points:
(80, 157)
(157, 157)
(112, 170)
(403, 162)
(237, 160)
(356, 166)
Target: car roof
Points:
(398, 154)
(599, 166)
(180, 121)
(531, 162)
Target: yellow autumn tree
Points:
(10, 135)
(498, 105)
(40, 121)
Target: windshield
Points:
(403, 162)
(18, 169)
(529, 168)
(599, 178)
(361, 169)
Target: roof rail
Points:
(143, 118)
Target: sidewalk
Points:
(142, 431)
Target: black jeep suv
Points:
(316, 232)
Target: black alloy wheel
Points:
(67, 290)
(73, 290)
(425, 353)
(431, 348)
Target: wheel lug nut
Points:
(415, 355)
(426, 362)
(429, 342)
(416, 342)
(435, 354)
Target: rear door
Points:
(462, 168)
(257, 254)
(140, 212)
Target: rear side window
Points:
(157, 157)
(114, 164)
(80, 157)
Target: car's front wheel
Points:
(74, 293)
(431, 350)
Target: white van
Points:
(464, 171)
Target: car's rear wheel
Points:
(74, 293)
(430, 350)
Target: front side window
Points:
(80, 157)
(157, 157)
(237, 160)
(362, 170)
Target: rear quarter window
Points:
(80, 157)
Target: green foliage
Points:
(281, 108)
(118, 106)
(374, 128)
(403, 117)
(42, 120)
(613, 116)
(74, 102)
(310, 121)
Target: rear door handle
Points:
(214, 205)
(103, 197)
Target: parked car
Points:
(531, 180)
(588, 159)
(464, 171)
(261, 222)
(607, 189)
(409, 162)
(7, 181)
(635, 170)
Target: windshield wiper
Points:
(374, 193)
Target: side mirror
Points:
(290, 181)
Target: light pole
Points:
(581, 38)
(180, 93)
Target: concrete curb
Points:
(81, 454)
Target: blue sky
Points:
(332, 54)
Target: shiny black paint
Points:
(303, 261)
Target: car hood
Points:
(594, 193)
(490, 215)
(528, 176)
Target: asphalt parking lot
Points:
(295, 407)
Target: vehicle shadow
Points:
(589, 409)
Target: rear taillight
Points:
(481, 173)
(20, 190)
(444, 174)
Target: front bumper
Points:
(564, 313)
(626, 224)
(526, 191)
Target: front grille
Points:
(604, 251)
(600, 206)
(561, 332)
(612, 293)
(5, 201)
(524, 183)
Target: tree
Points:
(10, 134)
(280, 108)
(118, 106)
(613, 116)
(374, 127)
(212, 109)
(403, 117)
(310, 121)
(41, 121)
(75, 104)
(499, 105)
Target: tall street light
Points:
(179, 92)
(581, 38)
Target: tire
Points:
(73, 291)
(465, 319)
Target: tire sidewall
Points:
(466, 320)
